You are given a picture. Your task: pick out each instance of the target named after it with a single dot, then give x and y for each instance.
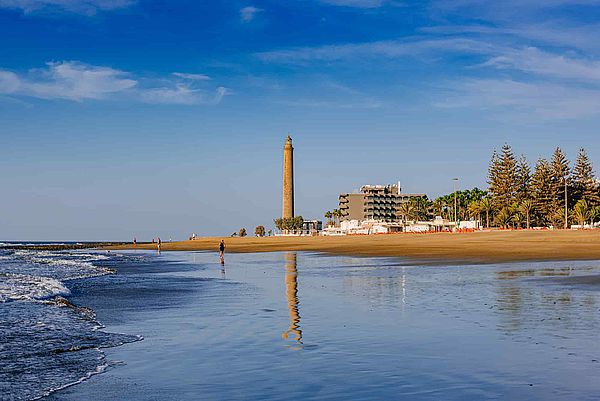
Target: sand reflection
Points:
(540, 303)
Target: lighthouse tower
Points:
(287, 209)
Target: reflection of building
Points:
(287, 209)
(291, 292)
(375, 202)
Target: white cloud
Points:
(67, 80)
(70, 80)
(87, 7)
(192, 77)
(9, 82)
(248, 13)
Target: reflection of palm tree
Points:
(291, 291)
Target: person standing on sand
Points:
(134, 242)
(158, 244)
(222, 251)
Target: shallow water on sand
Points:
(284, 326)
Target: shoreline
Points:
(478, 247)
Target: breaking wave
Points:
(46, 342)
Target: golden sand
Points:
(478, 247)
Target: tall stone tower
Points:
(288, 179)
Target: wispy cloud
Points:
(332, 95)
(248, 13)
(529, 59)
(388, 49)
(505, 10)
(356, 3)
(192, 77)
(548, 101)
(183, 94)
(75, 81)
(550, 82)
(86, 7)
(538, 62)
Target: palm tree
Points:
(420, 208)
(406, 211)
(259, 231)
(329, 216)
(519, 218)
(337, 214)
(438, 207)
(595, 213)
(557, 217)
(581, 212)
(485, 205)
(474, 209)
(525, 208)
(279, 224)
(504, 217)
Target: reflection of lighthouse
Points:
(291, 291)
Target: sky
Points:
(145, 118)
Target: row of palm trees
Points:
(415, 209)
(482, 208)
(519, 214)
(333, 217)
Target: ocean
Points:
(286, 325)
(46, 342)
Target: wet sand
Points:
(477, 247)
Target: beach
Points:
(476, 247)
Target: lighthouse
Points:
(287, 209)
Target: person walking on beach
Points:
(222, 251)
(134, 242)
(158, 244)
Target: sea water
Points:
(47, 343)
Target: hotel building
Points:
(375, 202)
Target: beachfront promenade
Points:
(478, 247)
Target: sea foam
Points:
(26, 287)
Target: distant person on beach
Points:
(134, 242)
(158, 244)
(222, 251)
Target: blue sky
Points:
(122, 118)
